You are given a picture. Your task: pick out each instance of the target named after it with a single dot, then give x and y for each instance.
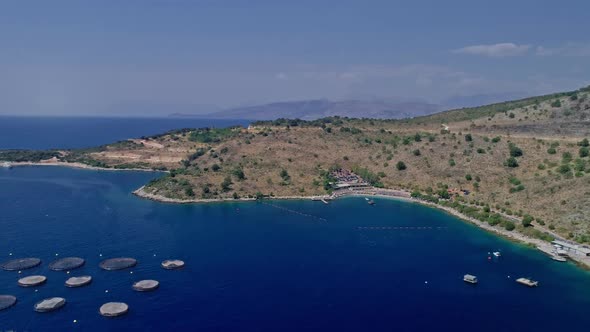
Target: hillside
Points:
(525, 159)
(315, 109)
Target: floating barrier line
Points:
(401, 228)
(295, 212)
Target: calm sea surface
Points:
(70, 133)
(269, 266)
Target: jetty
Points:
(471, 279)
(527, 282)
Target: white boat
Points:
(497, 254)
(558, 258)
(470, 279)
(6, 165)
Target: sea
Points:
(262, 266)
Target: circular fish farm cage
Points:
(20, 264)
(67, 263)
(120, 263)
(7, 301)
(113, 309)
(32, 281)
(146, 285)
(75, 282)
(50, 304)
(173, 264)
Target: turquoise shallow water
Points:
(275, 266)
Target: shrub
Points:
(416, 152)
(468, 138)
(400, 166)
(566, 157)
(496, 139)
(468, 177)
(584, 142)
(584, 152)
(215, 168)
(511, 115)
(515, 151)
(511, 162)
(564, 169)
(551, 151)
(556, 103)
(452, 162)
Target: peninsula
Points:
(519, 167)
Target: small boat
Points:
(470, 279)
(371, 202)
(558, 258)
(6, 165)
(527, 282)
(497, 254)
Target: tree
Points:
(566, 157)
(226, 184)
(285, 175)
(527, 220)
(584, 142)
(239, 174)
(215, 168)
(400, 166)
(584, 152)
(417, 137)
(509, 226)
(189, 192)
(468, 138)
(511, 162)
(468, 177)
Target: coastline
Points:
(514, 236)
(545, 247)
(79, 166)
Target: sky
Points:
(158, 57)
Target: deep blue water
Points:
(260, 267)
(82, 132)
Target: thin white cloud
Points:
(495, 50)
(569, 49)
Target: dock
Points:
(527, 282)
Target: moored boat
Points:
(470, 279)
(527, 282)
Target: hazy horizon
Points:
(154, 58)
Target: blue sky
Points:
(146, 57)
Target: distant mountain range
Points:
(354, 108)
(314, 109)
